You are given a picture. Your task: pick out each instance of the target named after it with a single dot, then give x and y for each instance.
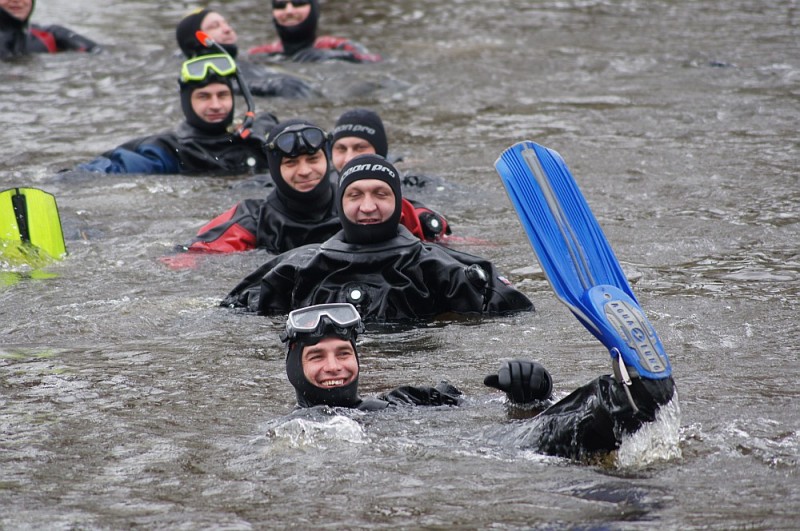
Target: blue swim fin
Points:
(30, 216)
(578, 260)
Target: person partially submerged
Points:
(207, 141)
(298, 211)
(322, 364)
(302, 207)
(375, 263)
(260, 79)
(296, 23)
(18, 36)
(361, 131)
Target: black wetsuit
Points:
(400, 279)
(264, 81)
(592, 420)
(442, 394)
(276, 224)
(189, 150)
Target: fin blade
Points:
(9, 228)
(576, 256)
(31, 215)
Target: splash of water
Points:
(654, 441)
(305, 432)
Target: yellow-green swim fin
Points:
(30, 215)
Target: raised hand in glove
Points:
(523, 381)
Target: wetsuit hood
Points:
(308, 394)
(364, 124)
(317, 199)
(13, 36)
(300, 36)
(7, 20)
(187, 41)
(192, 118)
(13, 33)
(370, 167)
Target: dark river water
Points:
(128, 398)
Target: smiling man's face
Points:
(368, 201)
(330, 363)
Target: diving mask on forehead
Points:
(298, 139)
(199, 68)
(341, 319)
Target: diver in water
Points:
(323, 366)
(361, 132)
(288, 217)
(261, 80)
(375, 263)
(296, 24)
(19, 37)
(322, 363)
(208, 141)
(299, 210)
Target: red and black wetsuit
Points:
(300, 43)
(325, 48)
(275, 226)
(18, 37)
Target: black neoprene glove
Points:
(523, 381)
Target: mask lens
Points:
(294, 142)
(342, 315)
(286, 143)
(197, 69)
(223, 65)
(313, 137)
(307, 320)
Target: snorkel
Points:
(244, 130)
